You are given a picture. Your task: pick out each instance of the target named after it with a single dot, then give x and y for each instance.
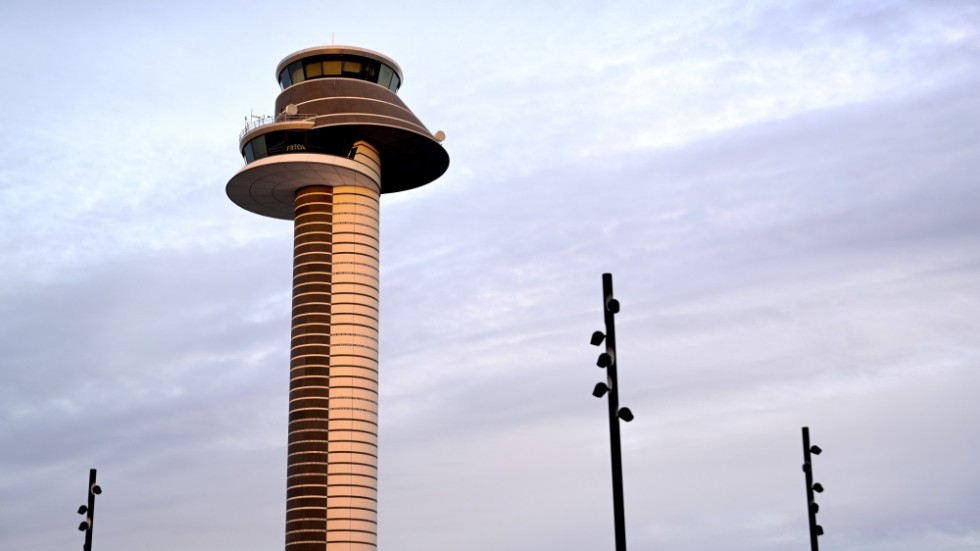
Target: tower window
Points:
(352, 67)
(282, 142)
(339, 65)
(314, 70)
(386, 74)
(258, 148)
(296, 72)
(331, 68)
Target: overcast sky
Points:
(786, 193)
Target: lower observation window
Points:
(284, 142)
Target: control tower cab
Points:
(338, 121)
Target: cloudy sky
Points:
(786, 193)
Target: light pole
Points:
(608, 360)
(811, 487)
(89, 510)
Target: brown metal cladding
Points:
(302, 472)
(352, 109)
(303, 541)
(300, 250)
(299, 525)
(304, 392)
(309, 310)
(309, 414)
(337, 88)
(332, 444)
(306, 284)
(305, 258)
(368, 106)
(312, 318)
(302, 371)
(309, 369)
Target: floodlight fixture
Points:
(814, 507)
(625, 414)
(600, 390)
(597, 338)
(96, 489)
(605, 360)
(612, 305)
(818, 530)
(815, 449)
(82, 509)
(83, 526)
(818, 487)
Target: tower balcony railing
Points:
(262, 120)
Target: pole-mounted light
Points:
(597, 338)
(610, 389)
(812, 507)
(89, 510)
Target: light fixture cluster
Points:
(607, 359)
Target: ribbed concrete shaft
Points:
(331, 495)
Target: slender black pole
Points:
(811, 504)
(91, 510)
(609, 308)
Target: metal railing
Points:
(262, 120)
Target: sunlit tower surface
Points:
(339, 138)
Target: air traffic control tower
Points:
(339, 138)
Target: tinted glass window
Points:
(331, 68)
(385, 77)
(370, 71)
(275, 142)
(258, 148)
(282, 142)
(295, 141)
(296, 71)
(352, 67)
(342, 65)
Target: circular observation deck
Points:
(334, 100)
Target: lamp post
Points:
(608, 360)
(811, 487)
(89, 510)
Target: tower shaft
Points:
(331, 496)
